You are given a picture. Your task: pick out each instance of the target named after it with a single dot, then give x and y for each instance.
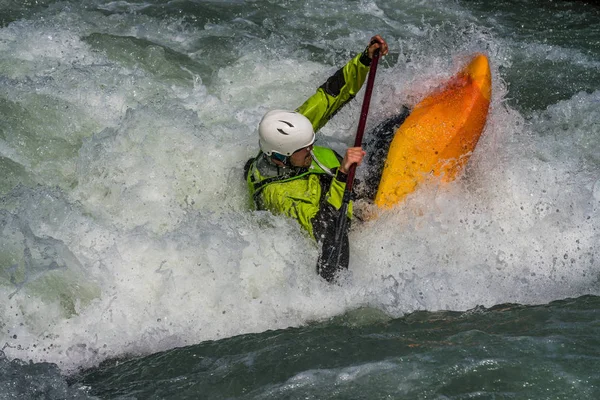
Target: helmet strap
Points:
(285, 160)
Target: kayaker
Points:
(294, 177)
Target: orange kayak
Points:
(440, 134)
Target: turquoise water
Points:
(125, 233)
(509, 351)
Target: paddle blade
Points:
(335, 253)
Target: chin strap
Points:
(285, 160)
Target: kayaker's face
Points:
(302, 157)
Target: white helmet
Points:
(284, 132)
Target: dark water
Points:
(508, 351)
(131, 267)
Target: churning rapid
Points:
(124, 220)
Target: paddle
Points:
(334, 252)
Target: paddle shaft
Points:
(363, 117)
(335, 242)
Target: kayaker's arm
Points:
(341, 87)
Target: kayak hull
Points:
(439, 135)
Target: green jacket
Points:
(301, 192)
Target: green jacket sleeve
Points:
(340, 88)
(335, 194)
